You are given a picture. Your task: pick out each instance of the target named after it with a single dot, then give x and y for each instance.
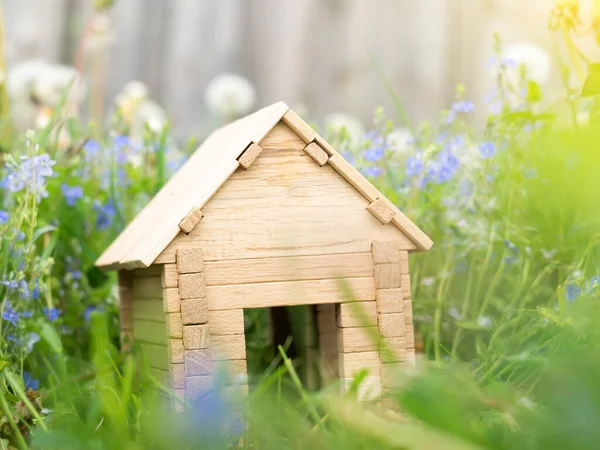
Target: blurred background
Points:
(320, 56)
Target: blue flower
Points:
(512, 247)
(371, 171)
(71, 193)
(463, 107)
(376, 148)
(14, 339)
(89, 310)
(487, 149)
(52, 313)
(594, 282)
(10, 315)
(92, 147)
(106, 214)
(572, 292)
(31, 173)
(10, 284)
(3, 217)
(414, 167)
(214, 417)
(30, 382)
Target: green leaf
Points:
(534, 92)
(3, 365)
(51, 337)
(41, 231)
(591, 86)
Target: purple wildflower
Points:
(487, 149)
(3, 217)
(106, 214)
(52, 313)
(30, 382)
(92, 147)
(10, 315)
(71, 193)
(371, 171)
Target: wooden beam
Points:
(300, 127)
(249, 156)
(352, 363)
(190, 221)
(357, 314)
(225, 322)
(171, 300)
(169, 276)
(359, 339)
(228, 347)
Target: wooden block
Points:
(174, 325)
(175, 351)
(227, 321)
(325, 146)
(300, 127)
(409, 335)
(198, 362)
(177, 372)
(191, 285)
(405, 282)
(392, 349)
(391, 325)
(190, 260)
(249, 155)
(190, 221)
(408, 312)
(357, 314)
(316, 153)
(171, 300)
(351, 363)
(228, 347)
(234, 370)
(194, 311)
(195, 337)
(369, 389)
(389, 301)
(387, 276)
(381, 211)
(404, 268)
(386, 251)
(197, 386)
(361, 339)
(168, 276)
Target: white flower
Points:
(484, 321)
(428, 281)
(139, 111)
(135, 90)
(23, 77)
(52, 85)
(454, 313)
(336, 122)
(399, 140)
(229, 96)
(535, 59)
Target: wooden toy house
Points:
(265, 213)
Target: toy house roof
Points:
(153, 229)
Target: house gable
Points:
(283, 205)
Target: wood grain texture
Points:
(391, 325)
(249, 155)
(194, 311)
(387, 276)
(359, 339)
(291, 268)
(190, 260)
(392, 349)
(198, 362)
(288, 293)
(168, 275)
(234, 370)
(177, 372)
(410, 335)
(300, 127)
(191, 285)
(192, 219)
(316, 153)
(351, 363)
(406, 289)
(224, 322)
(388, 252)
(196, 337)
(174, 325)
(228, 347)
(175, 351)
(381, 211)
(357, 314)
(284, 205)
(197, 386)
(171, 300)
(389, 300)
(404, 266)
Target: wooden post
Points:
(327, 333)
(126, 309)
(174, 330)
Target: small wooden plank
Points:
(369, 389)
(408, 312)
(387, 252)
(381, 211)
(194, 311)
(148, 310)
(392, 349)
(359, 339)
(198, 362)
(345, 169)
(406, 289)
(316, 153)
(171, 300)
(190, 221)
(147, 287)
(197, 386)
(228, 347)
(177, 372)
(387, 276)
(175, 351)
(409, 334)
(150, 332)
(325, 146)
(389, 301)
(391, 325)
(404, 267)
(169, 276)
(227, 321)
(196, 337)
(249, 155)
(155, 355)
(190, 260)
(174, 325)
(357, 314)
(288, 293)
(351, 363)
(311, 267)
(192, 285)
(300, 127)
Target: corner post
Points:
(126, 309)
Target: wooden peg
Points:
(316, 153)
(191, 220)
(249, 155)
(381, 211)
